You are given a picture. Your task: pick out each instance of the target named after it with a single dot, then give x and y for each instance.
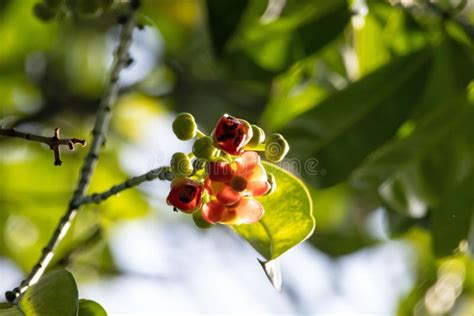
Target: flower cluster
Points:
(219, 180)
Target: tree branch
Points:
(163, 173)
(53, 142)
(100, 127)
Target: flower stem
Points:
(200, 134)
(163, 173)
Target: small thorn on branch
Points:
(54, 142)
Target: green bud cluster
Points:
(258, 136)
(204, 148)
(181, 164)
(276, 148)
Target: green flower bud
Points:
(44, 12)
(204, 148)
(276, 148)
(181, 164)
(271, 179)
(258, 136)
(200, 221)
(184, 126)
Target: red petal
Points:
(228, 196)
(258, 188)
(247, 163)
(249, 211)
(213, 187)
(220, 171)
(213, 212)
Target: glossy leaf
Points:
(288, 218)
(55, 294)
(343, 129)
(90, 308)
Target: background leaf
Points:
(54, 294)
(288, 218)
(343, 129)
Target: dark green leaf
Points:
(90, 308)
(54, 294)
(342, 130)
(384, 162)
(452, 220)
(223, 18)
(288, 218)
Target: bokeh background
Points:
(377, 95)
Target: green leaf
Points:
(8, 309)
(293, 93)
(90, 308)
(383, 163)
(275, 41)
(452, 220)
(54, 294)
(221, 29)
(411, 173)
(385, 32)
(343, 129)
(288, 218)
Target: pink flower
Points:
(232, 186)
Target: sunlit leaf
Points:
(385, 32)
(7, 309)
(293, 93)
(90, 308)
(288, 218)
(55, 294)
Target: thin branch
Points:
(100, 127)
(163, 173)
(53, 142)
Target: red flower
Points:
(185, 195)
(232, 134)
(232, 185)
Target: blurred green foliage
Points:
(380, 93)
